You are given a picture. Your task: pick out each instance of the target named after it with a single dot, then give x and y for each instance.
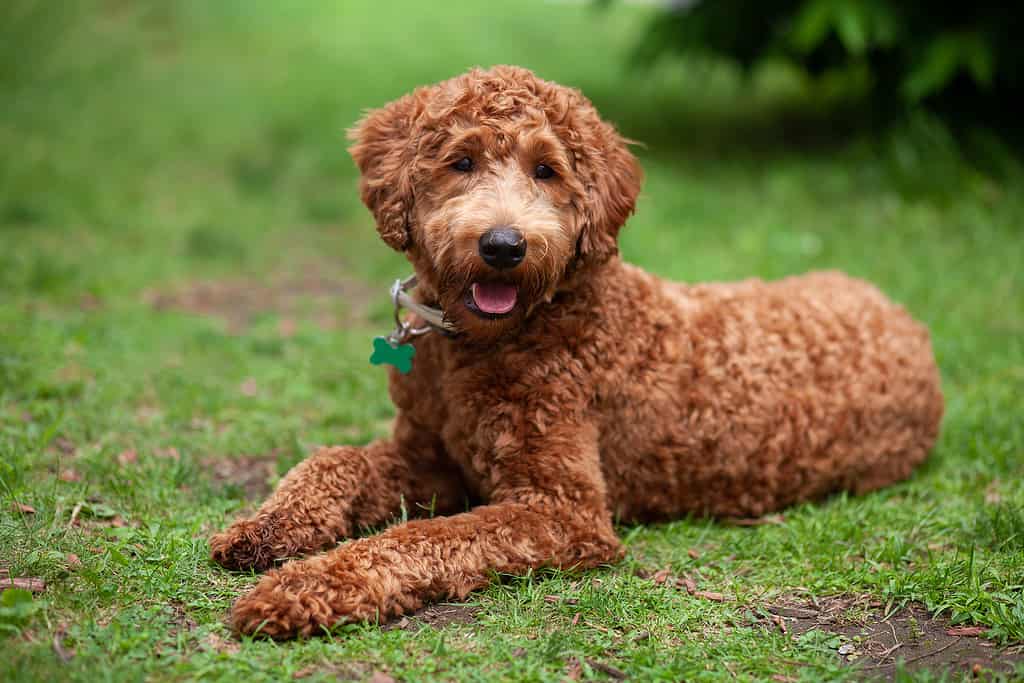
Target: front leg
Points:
(328, 496)
(559, 519)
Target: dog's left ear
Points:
(383, 151)
(613, 183)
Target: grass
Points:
(158, 145)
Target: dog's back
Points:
(749, 396)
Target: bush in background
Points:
(961, 60)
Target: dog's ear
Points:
(613, 183)
(383, 149)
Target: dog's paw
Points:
(246, 544)
(287, 603)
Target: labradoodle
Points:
(557, 388)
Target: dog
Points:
(565, 390)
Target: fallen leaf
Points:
(643, 635)
(402, 624)
(32, 583)
(689, 584)
(72, 561)
(693, 553)
(575, 619)
(780, 622)
(70, 475)
(22, 507)
(304, 672)
(967, 631)
(127, 457)
(661, 576)
(58, 644)
(381, 677)
(74, 514)
(552, 599)
(710, 595)
(608, 669)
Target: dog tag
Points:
(386, 353)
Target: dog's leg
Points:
(557, 519)
(401, 569)
(328, 496)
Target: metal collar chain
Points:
(404, 330)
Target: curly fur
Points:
(607, 394)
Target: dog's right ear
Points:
(383, 150)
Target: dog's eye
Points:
(463, 165)
(543, 172)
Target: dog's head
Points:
(499, 186)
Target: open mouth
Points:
(491, 299)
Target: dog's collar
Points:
(433, 317)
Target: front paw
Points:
(286, 603)
(308, 597)
(246, 544)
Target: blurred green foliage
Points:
(16, 607)
(958, 59)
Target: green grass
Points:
(158, 147)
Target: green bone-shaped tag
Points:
(400, 356)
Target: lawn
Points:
(189, 287)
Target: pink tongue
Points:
(494, 297)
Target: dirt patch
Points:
(329, 301)
(342, 671)
(862, 635)
(215, 642)
(253, 474)
(436, 616)
(181, 622)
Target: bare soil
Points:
(252, 473)
(876, 642)
(436, 616)
(328, 301)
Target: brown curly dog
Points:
(569, 389)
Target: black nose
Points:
(502, 247)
